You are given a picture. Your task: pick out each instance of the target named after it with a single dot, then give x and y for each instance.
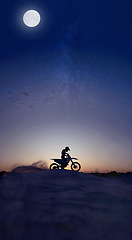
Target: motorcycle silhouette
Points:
(75, 166)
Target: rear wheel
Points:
(54, 166)
(75, 166)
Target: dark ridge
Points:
(111, 174)
(3, 174)
(26, 169)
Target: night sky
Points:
(67, 81)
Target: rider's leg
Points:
(62, 163)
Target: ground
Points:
(62, 204)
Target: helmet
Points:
(67, 148)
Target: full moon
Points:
(31, 18)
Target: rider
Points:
(63, 156)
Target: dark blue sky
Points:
(98, 25)
(76, 67)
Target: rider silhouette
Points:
(63, 156)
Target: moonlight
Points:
(31, 18)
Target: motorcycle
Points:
(75, 166)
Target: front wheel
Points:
(75, 166)
(54, 166)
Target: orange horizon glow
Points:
(84, 169)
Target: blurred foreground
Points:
(61, 204)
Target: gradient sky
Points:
(67, 81)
